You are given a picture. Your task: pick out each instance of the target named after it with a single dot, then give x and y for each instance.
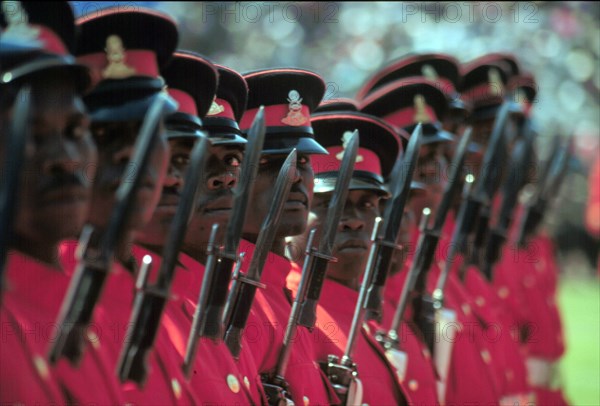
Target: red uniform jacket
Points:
(334, 319)
(216, 377)
(266, 327)
(37, 292)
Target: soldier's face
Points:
(407, 231)
(353, 238)
(432, 171)
(60, 160)
(216, 200)
(294, 217)
(115, 141)
(155, 233)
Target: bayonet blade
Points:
(308, 309)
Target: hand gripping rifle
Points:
(96, 249)
(305, 303)
(244, 287)
(422, 302)
(518, 167)
(14, 159)
(343, 373)
(150, 301)
(550, 179)
(400, 181)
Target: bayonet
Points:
(422, 310)
(521, 154)
(401, 178)
(212, 313)
(96, 249)
(308, 308)
(343, 373)
(14, 159)
(249, 282)
(150, 301)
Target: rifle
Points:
(425, 253)
(343, 373)
(14, 159)
(512, 185)
(303, 310)
(244, 287)
(96, 249)
(207, 320)
(318, 260)
(401, 177)
(550, 178)
(485, 183)
(150, 301)
(390, 341)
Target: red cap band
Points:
(277, 116)
(221, 108)
(137, 62)
(186, 102)
(405, 117)
(366, 160)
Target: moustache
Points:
(60, 180)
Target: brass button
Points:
(247, 382)
(426, 353)
(485, 355)
(41, 367)
(503, 292)
(466, 309)
(93, 339)
(233, 383)
(306, 400)
(480, 301)
(413, 385)
(176, 386)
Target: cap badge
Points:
(115, 54)
(17, 20)
(421, 115)
(345, 140)
(294, 116)
(215, 108)
(495, 81)
(429, 72)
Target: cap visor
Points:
(327, 184)
(303, 145)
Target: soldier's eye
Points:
(181, 160)
(303, 159)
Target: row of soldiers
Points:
(175, 232)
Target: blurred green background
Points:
(559, 42)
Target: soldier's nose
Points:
(225, 180)
(352, 224)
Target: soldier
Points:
(404, 103)
(379, 147)
(526, 280)
(289, 95)
(55, 192)
(125, 51)
(192, 81)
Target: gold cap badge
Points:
(17, 21)
(345, 140)
(429, 72)
(115, 54)
(294, 116)
(495, 81)
(215, 108)
(421, 115)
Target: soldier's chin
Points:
(290, 227)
